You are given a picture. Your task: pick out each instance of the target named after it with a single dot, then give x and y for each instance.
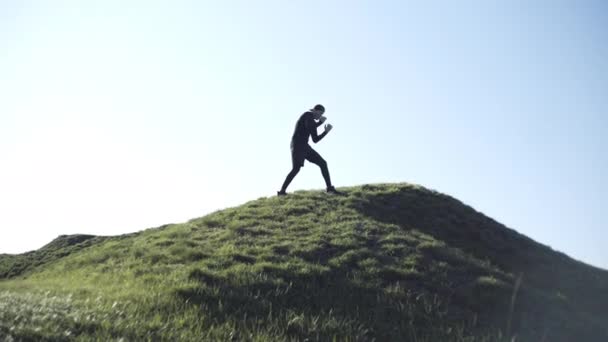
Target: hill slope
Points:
(383, 262)
(14, 265)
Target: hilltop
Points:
(383, 262)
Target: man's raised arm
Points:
(316, 138)
(321, 121)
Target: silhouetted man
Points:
(300, 150)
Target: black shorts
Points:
(301, 153)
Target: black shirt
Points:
(302, 130)
(306, 126)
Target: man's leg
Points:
(315, 158)
(294, 171)
(297, 161)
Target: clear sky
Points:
(116, 116)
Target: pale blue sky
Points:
(117, 116)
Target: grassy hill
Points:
(383, 262)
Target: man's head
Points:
(318, 111)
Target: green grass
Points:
(384, 262)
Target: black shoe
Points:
(281, 193)
(332, 190)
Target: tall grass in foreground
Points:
(51, 317)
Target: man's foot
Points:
(332, 190)
(281, 193)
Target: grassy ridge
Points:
(14, 265)
(383, 262)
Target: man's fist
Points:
(328, 128)
(322, 119)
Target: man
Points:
(300, 150)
